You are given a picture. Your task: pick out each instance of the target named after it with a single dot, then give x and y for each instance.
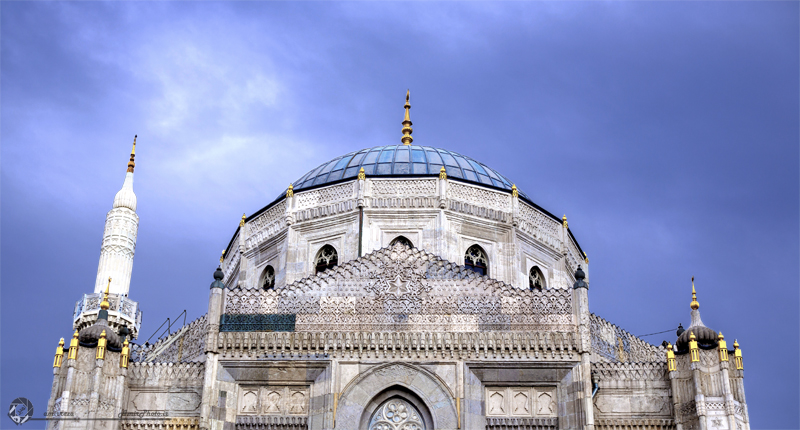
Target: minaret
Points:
(116, 264)
(119, 238)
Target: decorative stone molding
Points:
(266, 225)
(324, 196)
(634, 424)
(497, 423)
(479, 196)
(167, 424)
(500, 346)
(257, 422)
(630, 371)
(539, 225)
(612, 343)
(166, 374)
(185, 345)
(403, 188)
(406, 289)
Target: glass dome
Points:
(403, 160)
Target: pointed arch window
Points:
(536, 279)
(396, 414)
(401, 240)
(475, 259)
(268, 278)
(327, 258)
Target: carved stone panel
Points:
(521, 402)
(273, 400)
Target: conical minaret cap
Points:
(125, 197)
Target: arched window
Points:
(396, 414)
(327, 258)
(401, 240)
(536, 279)
(268, 278)
(475, 259)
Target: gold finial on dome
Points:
(241, 223)
(442, 173)
(361, 174)
(564, 221)
(407, 130)
(290, 191)
(694, 305)
(131, 164)
(514, 192)
(104, 305)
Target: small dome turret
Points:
(218, 277)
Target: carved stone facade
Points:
(476, 317)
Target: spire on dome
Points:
(694, 305)
(407, 130)
(131, 164)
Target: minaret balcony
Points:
(122, 312)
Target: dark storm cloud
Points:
(667, 132)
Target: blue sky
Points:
(667, 132)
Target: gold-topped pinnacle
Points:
(123, 357)
(564, 221)
(442, 173)
(59, 354)
(723, 347)
(222, 257)
(737, 355)
(514, 192)
(695, 305)
(101, 346)
(670, 358)
(131, 164)
(241, 223)
(361, 174)
(290, 191)
(407, 130)
(585, 257)
(73, 347)
(104, 305)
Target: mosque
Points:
(400, 287)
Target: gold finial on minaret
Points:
(131, 164)
(361, 174)
(241, 223)
(59, 353)
(442, 173)
(290, 191)
(104, 305)
(564, 221)
(514, 192)
(694, 305)
(407, 130)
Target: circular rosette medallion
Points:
(396, 414)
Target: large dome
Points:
(403, 160)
